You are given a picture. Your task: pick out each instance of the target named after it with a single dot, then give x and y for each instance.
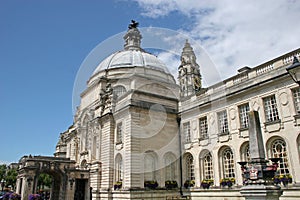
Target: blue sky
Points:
(43, 43)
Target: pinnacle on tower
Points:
(189, 72)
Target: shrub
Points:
(283, 178)
(6, 196)
(34, 197)
(117, 185)
(206, 183)
(227, 182)
(14, 196)
(189, 183)
(150, 184)
(171, 184)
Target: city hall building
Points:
(140, 134)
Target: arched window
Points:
(278, 150)
(149, 167)
(228, 163)
(119, 91)
(189, 166)
(245, 152)
(119, 168)
(170, 167)
(83, 164)
(208, 172)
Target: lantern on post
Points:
(294, 70)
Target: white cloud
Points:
(236, 33)
(2, 162)
(172, 60)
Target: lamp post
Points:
(294, 70)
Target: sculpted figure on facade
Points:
(106, 99)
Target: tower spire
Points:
(133, 37)
(188, 72)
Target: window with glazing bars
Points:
(119, 133)
(190, 167)
(203, 128)
(208, 167)
(187, 132)
(279, 151)
(247, 156)
(271, 111)
(119, 169)
(243, 113)
(296, 95)
(223, 122)
(228, 164)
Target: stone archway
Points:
(57, 178)
(62, 170)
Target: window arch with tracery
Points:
(119, 169)
(189, 166)
(278, 150)
(228, 163)
(208, 172)
(245, 152)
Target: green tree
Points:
(2, 171)
(11, 177)
(44, 180)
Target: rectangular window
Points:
(119, 138)
(271, 111)
(243, 113)
(187, 132)
(296, 95)
(223, 122)
(203, 128)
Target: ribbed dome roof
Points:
(131, 58)
(132, 55)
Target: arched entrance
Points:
(56, 182)
(62, 170)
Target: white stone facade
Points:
(135, 124)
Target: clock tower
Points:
(189, 76)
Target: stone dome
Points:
(132, 55)
(132, 58)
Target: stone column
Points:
(257, 187)
(197, 169)
(27, 187)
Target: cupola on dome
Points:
(132, 55)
